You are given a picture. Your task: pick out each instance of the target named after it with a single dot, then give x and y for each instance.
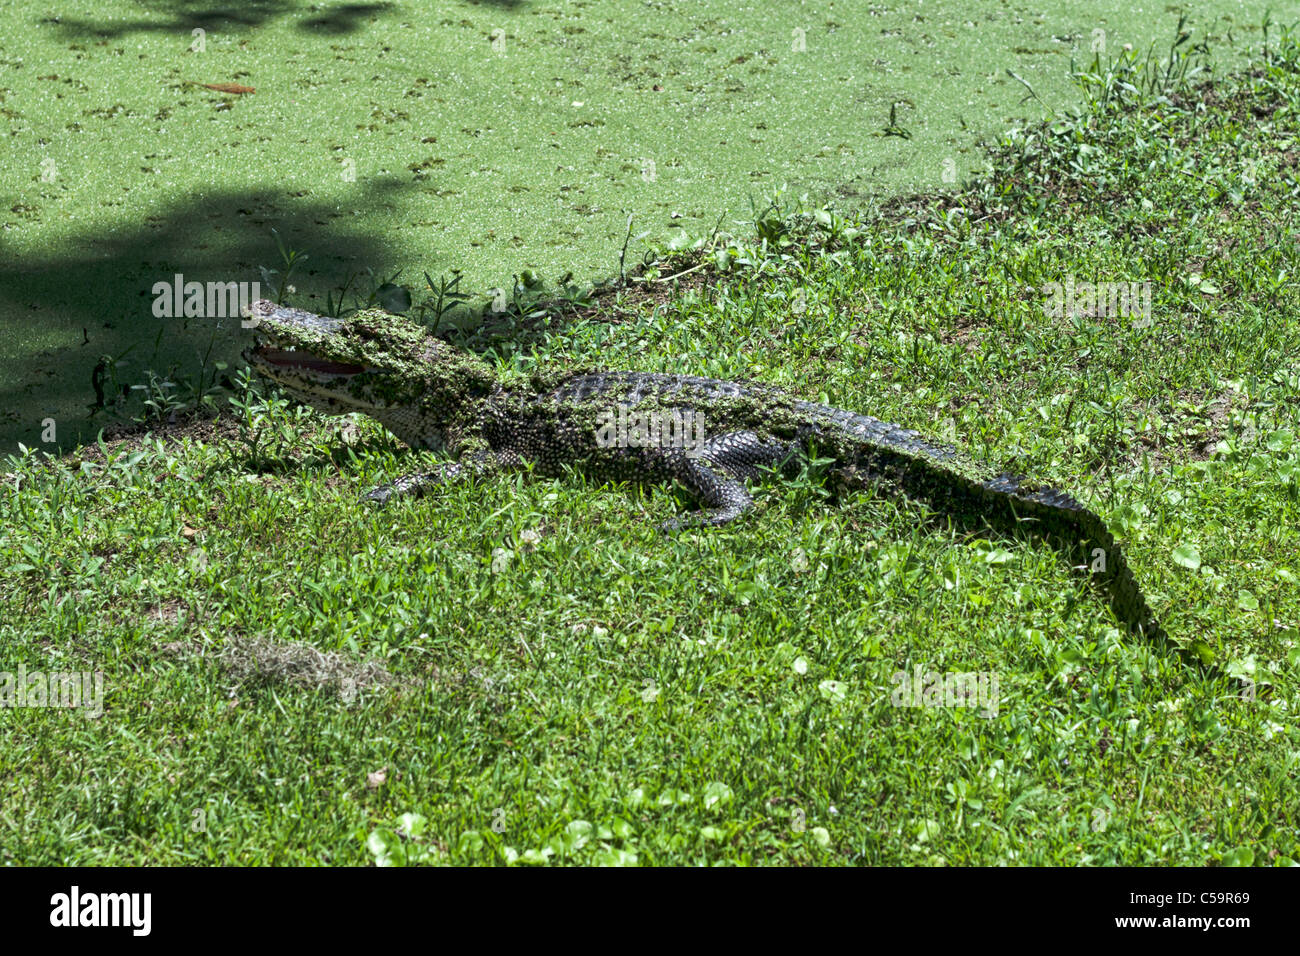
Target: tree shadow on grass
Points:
(94, 295)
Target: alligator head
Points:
(383, 365)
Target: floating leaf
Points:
(229, 88)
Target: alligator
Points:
(711, 437)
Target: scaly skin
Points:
(432, 395)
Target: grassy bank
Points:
(539, 675)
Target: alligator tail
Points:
(1081, 533)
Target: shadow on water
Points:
(96, 290)
(183, 16)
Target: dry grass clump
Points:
(260, 661)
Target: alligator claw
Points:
(378, 495)
(680, 523)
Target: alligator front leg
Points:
(472, 468)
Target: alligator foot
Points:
(412, 486)
(416, 484)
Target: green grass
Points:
(540, 674)
(394, 136)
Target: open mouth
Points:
(293, 359)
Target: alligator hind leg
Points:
(716, 477)
(721, 497)
(745, 455)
